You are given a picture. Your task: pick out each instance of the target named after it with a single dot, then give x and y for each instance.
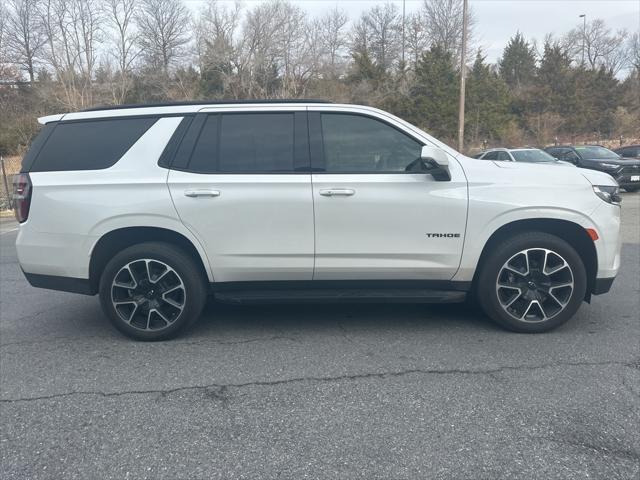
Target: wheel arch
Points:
(116, 240)
(571, 232)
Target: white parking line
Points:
(9, 231)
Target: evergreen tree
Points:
(517, 66)
(364, 69)
(487, 106)
(434, 97)
(601, 94)
(554, 80)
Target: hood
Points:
(556, 163)
(562, 174)
(597, 178)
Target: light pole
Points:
(584, 34)
(463, 73)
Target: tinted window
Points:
(205, 151)
(36, 145)
(353, 143)
(491, 156)
(504, 156)
(597, 153)
(629, 151)
(570, 156)
(90, 145)
(532, 156)
(261, 142)
(555, 152)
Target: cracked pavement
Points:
(320, 391)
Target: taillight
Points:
(22, 196)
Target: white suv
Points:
(154, 207)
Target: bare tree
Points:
(360, 37)
(24, 35)
(385, 26)
(3, 31)
(217, 46)
(634, 51)
(120, 15)
(294, 48)
(333, 37)
(443, 21)
(164, 32)
(600, 45)
(278, 57)
(416, 37)
(260, 50)
(72, 30)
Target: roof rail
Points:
(202, 102)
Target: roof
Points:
(576, 146)
(202, 102)
(175, 108)
(507, 149)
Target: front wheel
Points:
(532, 282)
(151, 291)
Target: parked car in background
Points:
(630, 151)
(596, 157)
(527, 155)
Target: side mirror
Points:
(433, 161)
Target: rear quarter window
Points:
(90, 145)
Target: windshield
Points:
(597, 153)
(533, 155)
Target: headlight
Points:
(609, 166)
(608, 193)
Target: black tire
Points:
(173, 301)
(495, 300)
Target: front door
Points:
(374, 221)
(245, 192)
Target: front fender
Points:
(479, 234)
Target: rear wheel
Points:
(532, 282)
(151, 291)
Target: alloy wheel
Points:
(148, 294)
(535, 285)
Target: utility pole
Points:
(584, 35)
(463, 74)
(404, 4)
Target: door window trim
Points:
(316, 142)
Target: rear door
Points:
(240, 182)
(374, 221)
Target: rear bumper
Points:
(602, 285)
(63, 284)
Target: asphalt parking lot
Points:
(320, 391)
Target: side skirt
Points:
(341, 291)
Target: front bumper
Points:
(629, 177)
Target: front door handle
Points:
(201, 193)
(337, 192)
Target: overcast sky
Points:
(498, 20)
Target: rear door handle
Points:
(337, 192)
(201, 193)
